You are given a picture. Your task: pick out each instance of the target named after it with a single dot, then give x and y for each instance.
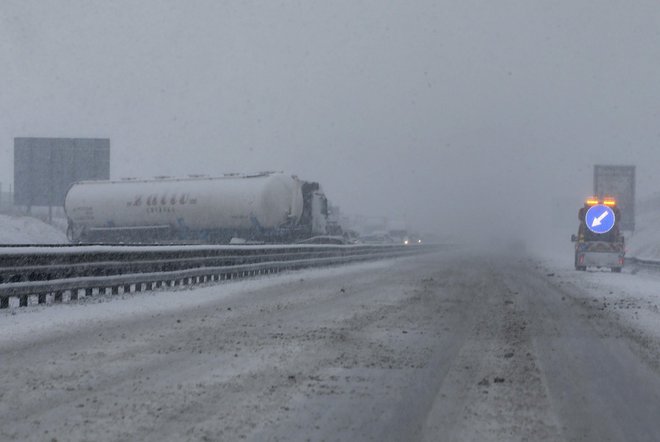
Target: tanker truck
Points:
(265, 207)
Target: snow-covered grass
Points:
(28, 230)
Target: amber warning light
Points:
(610, 202)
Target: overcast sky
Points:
(438, 112)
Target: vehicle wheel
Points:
(581, 268)
(616, 269)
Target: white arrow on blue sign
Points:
(600, 218)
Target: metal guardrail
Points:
(643, 262)
(78, 272)
(108, 263)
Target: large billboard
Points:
(618, 182)
(44, 168)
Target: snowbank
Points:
(28, 230)
(645, 242)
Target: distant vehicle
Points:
(265, 207)
(599, 244)
(411, 240)
(397, 231)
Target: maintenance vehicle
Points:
(599, 242)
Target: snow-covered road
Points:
(452, 346)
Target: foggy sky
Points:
(443, 113)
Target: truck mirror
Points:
(573, 238)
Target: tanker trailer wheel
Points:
(615, 269)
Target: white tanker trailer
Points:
(269, 206)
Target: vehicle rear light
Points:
(581, 259)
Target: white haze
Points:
(457, 116)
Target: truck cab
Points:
(596, 246)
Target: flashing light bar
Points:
(592, 201)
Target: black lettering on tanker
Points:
(163, 200)
(137, 201)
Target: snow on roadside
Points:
(30, 322)
(645, 242)
(28, 230)
(631, 298)
(634, 297)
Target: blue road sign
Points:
(600, 218)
